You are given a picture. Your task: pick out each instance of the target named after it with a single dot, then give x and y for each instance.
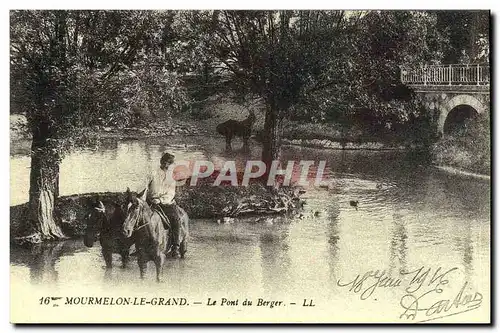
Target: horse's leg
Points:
(246, 146)
(125, 256)
(142, 262)
(159, 261)
(183, 247)
(107, 253)
(168, 242)
(228, 142)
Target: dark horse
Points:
(232, 128)
(152, 240)
(105, 223)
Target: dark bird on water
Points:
(354, 204)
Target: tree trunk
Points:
(271, 145)
(44, 190)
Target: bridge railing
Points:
(467, 75)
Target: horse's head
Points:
(134, 213)
(95, 221)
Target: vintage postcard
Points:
(222, 166)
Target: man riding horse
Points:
(161, 196)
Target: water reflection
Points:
(275, 261)
(333, 234)
(408, 216)
(464, 245)
(399, 246)
(42, 259)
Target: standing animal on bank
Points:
(152, 240)
(231, 128)
(105, 222)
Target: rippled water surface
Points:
(408, 216)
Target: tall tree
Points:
(67, 70)
(279, 56)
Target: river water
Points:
(409, 217)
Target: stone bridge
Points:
(452, 93)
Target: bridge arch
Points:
(459, 100)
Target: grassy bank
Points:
(468, 149)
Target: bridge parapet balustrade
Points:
(446, 75)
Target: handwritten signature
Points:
(368, 283)
(420, 299)
(424, 298)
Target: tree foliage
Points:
(73, 69)
(79, 68)
(466, 35)
(367, 66)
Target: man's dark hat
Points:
(167, 158)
